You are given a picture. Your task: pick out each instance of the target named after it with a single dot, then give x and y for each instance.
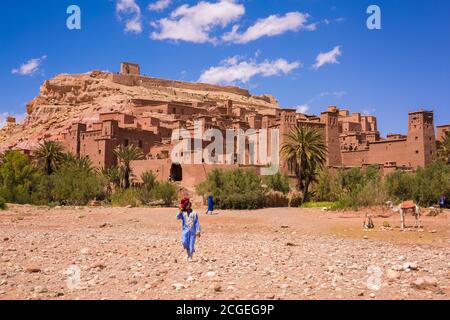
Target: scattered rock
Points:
(392, 275)
(410, 265)
(290, 244)
(40, 289)
(98, 265)
(32, 270)
(425, 283)
(178, 286)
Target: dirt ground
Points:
(135, 253)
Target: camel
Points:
(405, 207)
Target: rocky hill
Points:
(69, 98)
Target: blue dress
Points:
(210, 204)
(190, 228)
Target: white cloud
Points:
(302, 108)
(4, 116)
(271, 26)
(159, 5)
(234, 69)
(30, 67)
(194, 24)
(336, 94)
(328, 57)
(130, 12)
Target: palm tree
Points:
(49, 155)
(112, 177)
(444, 148)
(124, 156)
(68, 157)
(84, 164)
(149, 180)
(305, 152)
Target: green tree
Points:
(124, 157)
(444, 149)
(234, 189)
(400, 185)
(112, 178)
(165, 191)
(49, 155)
(75, 184)
(278, 182)
(431, 182)
(305, 152)
(149, 180)
(18, 178)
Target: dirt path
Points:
(121, 253)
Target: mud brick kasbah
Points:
(93, 113)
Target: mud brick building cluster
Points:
(353, 139)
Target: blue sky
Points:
(267, 46)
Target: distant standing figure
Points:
(190, 227)
(442, 201)
(210, 205)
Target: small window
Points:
(126, 142)
(140, 144)
(417, 151)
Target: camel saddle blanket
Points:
(408, 205)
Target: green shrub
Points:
(423, 186)
(234, 189)
(149, 182)
(2, 204)
(18, 178)
(125, 197)
(400, 185)
(76, 185)
(431, 182)
(278, 182)
(327, 187)
(165, 191)
(351, 188)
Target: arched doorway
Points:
(176, 172)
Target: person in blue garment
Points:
(442, 201)
(210, 205)
(190, 227)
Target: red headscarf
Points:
(184, 202)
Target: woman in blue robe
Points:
(190, 227)
(210, 205)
